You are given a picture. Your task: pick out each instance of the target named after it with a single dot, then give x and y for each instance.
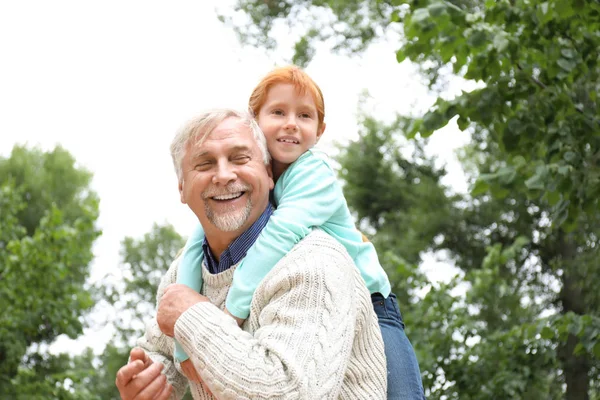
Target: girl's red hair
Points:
(287, 75)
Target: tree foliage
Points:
(48, 216)
(526, 238)
(133, 295)
(130, 299)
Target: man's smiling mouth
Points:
(229, 196)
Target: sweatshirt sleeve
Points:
(190, 268)
(307, 196)
(159, 347)
(304, 328)
(190, 272)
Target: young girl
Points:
(289, 108)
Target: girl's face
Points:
(290, 123)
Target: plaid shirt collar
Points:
(238, 248)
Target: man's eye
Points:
(202, 166)
(241, 159)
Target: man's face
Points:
(225, 181)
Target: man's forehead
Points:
(228, 128)
(225, 137)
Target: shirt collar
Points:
(238, 248)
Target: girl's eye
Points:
(277, 112)
(305, 115)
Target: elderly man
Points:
(312, 332)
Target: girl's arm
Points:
(190, 272)
(190, 268)
(307, 195)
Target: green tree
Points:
(129, 299)
(47, 229)
(527, 237)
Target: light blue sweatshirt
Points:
(307, 195)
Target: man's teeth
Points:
(228, 196)
(288, 141)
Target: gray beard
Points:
(229, 221)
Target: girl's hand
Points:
(238, 320)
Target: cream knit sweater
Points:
(311, 334)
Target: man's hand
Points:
(176, 299)
(190, 372)
(141, 379)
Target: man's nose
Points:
(224, 174)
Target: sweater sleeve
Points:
(159, 347)
(304, 321)
(307, 196)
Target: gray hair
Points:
(201, 127)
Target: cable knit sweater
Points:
(311, 334)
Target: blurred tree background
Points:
(522, 318)
(519, 320)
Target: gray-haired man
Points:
(312, 332)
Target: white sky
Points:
(112, 81)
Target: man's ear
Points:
(321, 130)
(180, 186)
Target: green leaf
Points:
(506, 175)
(564, 9)
(499, 192)
(476, 38)
(570, 156)
(596, 350)
(568, 53)
(432, 121)
(479, 188)
(400, 56)
(564, 170)
(436, 9)
(420, 16)
(565, 64)
(536, 182)
(500, 42)
(463, 123)
(547, 333)
(553, 198)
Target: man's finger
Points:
(165, 393)
(138, 354)
(145, 378)
(169, 287)
(153, 388)
(127, 372)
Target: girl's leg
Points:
(404, 377)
